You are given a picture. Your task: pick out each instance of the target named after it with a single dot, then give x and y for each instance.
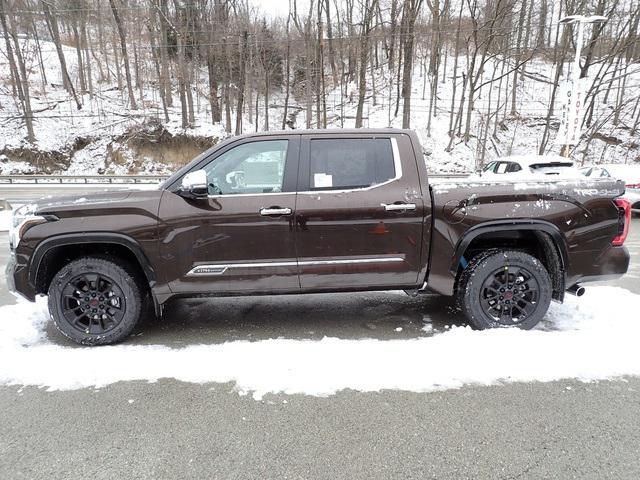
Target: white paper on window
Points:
(322, 180)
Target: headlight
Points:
(22, 219)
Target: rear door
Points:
(359, 212)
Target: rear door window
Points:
(502, 167)
(350, 163)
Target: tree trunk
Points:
(332, 55)
(21, 71)
(514, 86)
(125, 55)
(77, 41)
(287, 74)
(85, 45)
(241, 81)
(156, 62)
(52, 24)
(412, 7)
(369, 10)
(212, 70)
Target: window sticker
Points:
(322, 180)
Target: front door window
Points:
(250, 168)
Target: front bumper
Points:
(17, 276)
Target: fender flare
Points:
(90, 237)
(513, 225)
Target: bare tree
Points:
(125, 55)
(19, 73)
(368, 12)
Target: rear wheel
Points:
(504, 289)
(94, 301)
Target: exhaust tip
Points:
(577, 290)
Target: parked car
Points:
(523, 166)
(316, 211)
(630, 174)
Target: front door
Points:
(359, 212)
(241, 238)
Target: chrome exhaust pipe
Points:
(577, 290)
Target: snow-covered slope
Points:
(106, 136)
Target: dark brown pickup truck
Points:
(317, 211)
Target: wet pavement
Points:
(175, 430)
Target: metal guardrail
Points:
(79, 179)
(449, 175)
(113, 179)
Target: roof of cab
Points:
(329, 131)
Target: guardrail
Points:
(79, 179)
(115, 179)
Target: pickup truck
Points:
(316, 211)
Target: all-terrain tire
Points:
(102, 294)
(504, 288)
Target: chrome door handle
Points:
(275, 211)
(394, 207)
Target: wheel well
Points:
(57, 257)
(536, 243)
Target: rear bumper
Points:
(17, 277)
(612, 264)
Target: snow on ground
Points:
(589, 339)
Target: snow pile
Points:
(588, 339)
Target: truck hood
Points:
(94, 203)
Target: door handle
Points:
(395, 207)
(275, 211)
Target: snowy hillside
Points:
(106, 136)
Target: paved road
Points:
(177, 430)
(173, 430)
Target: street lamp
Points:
(581, 20)
(576, 100)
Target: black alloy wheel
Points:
(93, 303)
(510, 295)
(504, 288)
(96, 300)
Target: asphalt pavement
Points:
(177, 430)
(172, 430)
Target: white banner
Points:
(572, 99)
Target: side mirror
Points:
(194, 184)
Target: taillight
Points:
(632, 185)
(624, 218)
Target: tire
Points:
(504, 288)
(95, 301)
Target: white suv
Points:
(517, 166)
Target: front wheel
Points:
(504, 288)
(95, 301)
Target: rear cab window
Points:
(350, 163)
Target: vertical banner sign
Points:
(572, 97)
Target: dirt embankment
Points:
(148, 148)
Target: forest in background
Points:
(466, 74)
